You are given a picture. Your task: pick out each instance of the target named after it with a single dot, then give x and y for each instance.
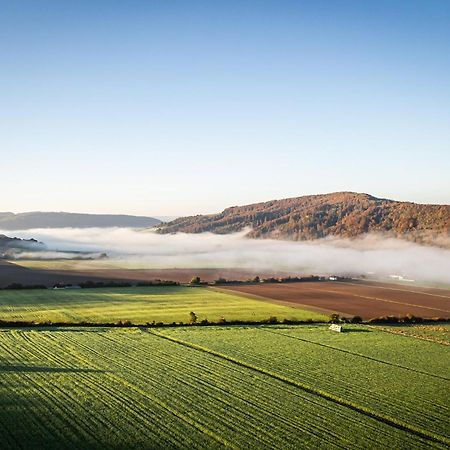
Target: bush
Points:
(270, 280)
(334, 318)
(157, 283)
(220, 281)
(195, 280)
(410, 318)
(356, 319)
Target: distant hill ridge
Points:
(341, 214)
(26, 221)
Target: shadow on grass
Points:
(357, 330)
(74, 330)
(44, 369)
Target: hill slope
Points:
(9, 246)
(25, 221)
(342, 214)
(14, 242)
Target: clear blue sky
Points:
(180, 107)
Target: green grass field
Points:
(140, 305)
(237, 387)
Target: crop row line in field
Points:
(317, 427)
(59, 412)
(326, 395)
(240, 423)
(354, 354)
(123, 402)
(417, 407)
(413, 409)
(275, 411)
(169, 429)
(184, 369)
(159, 402)
(174, 412)
(126, 402)
(89, 382)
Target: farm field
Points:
(368, 300)
(140, 305)
(435, 333)
(238, 387)
(51, 272)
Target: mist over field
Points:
(373, 254)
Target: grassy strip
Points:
(311, 390)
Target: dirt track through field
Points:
(367, 300)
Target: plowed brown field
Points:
(14, 273)
(367, 300)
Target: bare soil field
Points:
(14, 273)
(368, 300)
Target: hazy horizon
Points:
(174, 216)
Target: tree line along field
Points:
(140, 305)
(222, 387)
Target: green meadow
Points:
(140, 305)
(253, 387)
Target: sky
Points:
(188, 107)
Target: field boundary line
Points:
(353, 353)
(425, 434)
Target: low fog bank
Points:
(19, 255)
(369, 254)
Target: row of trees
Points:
(196, 281)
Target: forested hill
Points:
(10, 245)
(343, 214)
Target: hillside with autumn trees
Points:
(341, 214)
